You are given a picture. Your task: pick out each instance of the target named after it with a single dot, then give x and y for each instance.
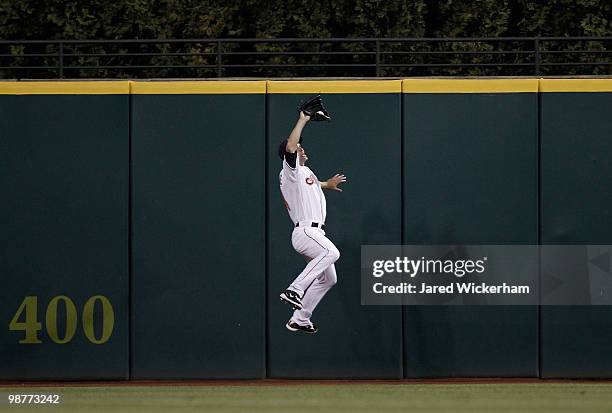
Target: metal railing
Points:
(291, 57)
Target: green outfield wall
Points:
(145, 237)
(198, 240)
(576, 208)
(355, 340)
(470, 177)
(64, 257)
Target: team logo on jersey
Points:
(310, 180)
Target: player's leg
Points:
(312, 243)
(313, 295)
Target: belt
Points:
(312, 224)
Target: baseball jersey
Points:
(302, 193)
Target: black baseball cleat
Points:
(310, 329)
(292, 298)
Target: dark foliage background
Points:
(205, 19)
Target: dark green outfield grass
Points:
(320, 398)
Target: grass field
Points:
(320, 398)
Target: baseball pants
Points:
(319, 275)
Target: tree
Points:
(183, 19)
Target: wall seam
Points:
(130, 234)
(266, 372)
(402, 223)
(539, 187)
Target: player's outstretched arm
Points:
(294, 137)
(333, 182)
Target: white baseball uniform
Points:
(306, 205)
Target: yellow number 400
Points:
(31, 326)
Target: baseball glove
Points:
(314, 108)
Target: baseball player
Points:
(305, 202)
